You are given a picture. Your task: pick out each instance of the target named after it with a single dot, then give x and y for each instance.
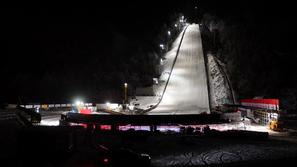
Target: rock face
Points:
(218, 84)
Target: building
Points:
(261, 111)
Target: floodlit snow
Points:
(219, 127)
(50, 121)
(144, 102)
(186, 92)
(168, 128)
(127, 127)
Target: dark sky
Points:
(41, 42)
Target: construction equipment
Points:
(275, 125)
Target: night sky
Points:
(45, 44)
(39, 45)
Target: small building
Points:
(261, 111)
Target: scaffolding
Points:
(266, 116)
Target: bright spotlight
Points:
(169, 33)
(79, 103)
(107, 104)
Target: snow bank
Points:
(218, 84)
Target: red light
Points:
(105, 160)
(105, 127)
(84, 125)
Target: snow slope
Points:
(186, 92)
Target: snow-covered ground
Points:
(219, 87)
(145, 102)
(50, 121)
(54, 119)
(202, 153)
(186, 92)
(167, 150)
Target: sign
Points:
(85, 111)
(270, 104)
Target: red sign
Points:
(271, 104)
(85, 111)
